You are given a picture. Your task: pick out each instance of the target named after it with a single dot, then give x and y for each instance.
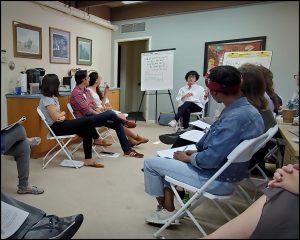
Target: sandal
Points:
(129, 124)
(32, 190)
(95, 165)
(133, 153)
(102, 142)
(34, 141)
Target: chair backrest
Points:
(71, 110)
(271, 132)
(41, 114)
(242, 153)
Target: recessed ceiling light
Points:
(131, 2)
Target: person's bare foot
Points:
(93, 163)
(102, 142)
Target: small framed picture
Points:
(59, 46)
(84, 51)
(27, 40)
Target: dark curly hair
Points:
(193, 73)
(226, 75)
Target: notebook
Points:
(168, 153)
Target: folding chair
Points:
(103, 134)
(257, 183)
(79, 145)
(60, 142)
(242, 153)
(200, 114)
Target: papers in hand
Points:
(168, 153)
(200, 124)
(192, 135)
(12, 219)
(70, 163)
(22, 119)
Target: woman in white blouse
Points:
(102, 101)
(191, 98)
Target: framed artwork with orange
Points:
(214, 51)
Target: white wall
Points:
(279, 21)
(34, 14)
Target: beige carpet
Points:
(111, 199)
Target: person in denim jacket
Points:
(196, 167)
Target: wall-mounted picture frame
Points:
(27, 40)
(84, 51)
(214, 51)
(60, 46)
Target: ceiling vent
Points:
(134, 27)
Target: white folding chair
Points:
(60, 142)
(256, 184)
(80, 144)
(200, 114)
(242, 153)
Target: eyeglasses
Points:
(296, 76)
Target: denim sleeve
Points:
(220, 141)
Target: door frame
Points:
(116, 54)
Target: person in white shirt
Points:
(191, 98)
(102, 102)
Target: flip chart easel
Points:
(236, 59)
(157, 74)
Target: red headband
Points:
(217, 87)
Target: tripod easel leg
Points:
(140, 105)
(171, 101)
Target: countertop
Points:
(27, 95)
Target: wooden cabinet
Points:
(26, 106)
(114, 98)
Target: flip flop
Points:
(95, 165)
(33, 190)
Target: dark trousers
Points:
(83, 127)
(185, 110)
(111, 120)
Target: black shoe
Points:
(168, 138)
(53, 227)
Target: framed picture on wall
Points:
(84, 51)
(27, 40)
(59, 41)
(214, 51)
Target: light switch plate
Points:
(3, 56)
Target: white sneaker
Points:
(161, 217)
(173, 123)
